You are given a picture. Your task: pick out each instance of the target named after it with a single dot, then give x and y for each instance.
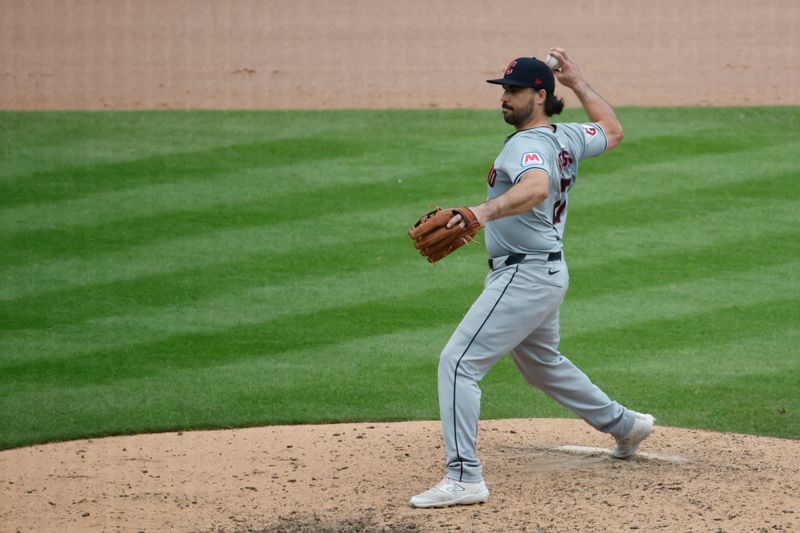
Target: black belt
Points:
(513, 259)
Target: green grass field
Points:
(166, 270)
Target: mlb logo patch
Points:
(531, 158)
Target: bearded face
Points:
(517, 104)
(517, 116)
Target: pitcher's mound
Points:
(545, 475)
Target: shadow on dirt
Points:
(313, 524)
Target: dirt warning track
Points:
(310, 54)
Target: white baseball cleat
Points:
(627, 445)
(449, 492)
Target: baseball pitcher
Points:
(518, 311)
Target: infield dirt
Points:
(149, 54)
(285, 54)
(359, 477)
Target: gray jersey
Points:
(558, 153)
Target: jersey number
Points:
(564, 160)
(561, 205)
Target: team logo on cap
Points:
(511, 66)
(531, 158)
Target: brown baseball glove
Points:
(435, 240)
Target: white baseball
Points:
(551, 62)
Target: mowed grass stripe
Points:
(685, 266)
(688, 197)
(278, 187)
(269, 338)
(689, 358)
(58, 334)
(62, 239)
(673, 149)
(671, 300)
(202, 283)
(43, 142)
(165, 303)
(258, 177)
(729, 369)
(732, 224)
(391, 376)
(236, 158)
(141, 215)
(76, 182)
(264, 279)
(165, 147)
(117, 305)
(50, 142)
(179, 254)
(684, 380)
(150, 305)
(389, 364)
(176, 255)
(713, 325)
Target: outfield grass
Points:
(175, 270)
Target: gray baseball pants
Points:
(517, 312)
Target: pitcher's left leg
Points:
(478, 342)
(510, 307)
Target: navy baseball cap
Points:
(528, 72)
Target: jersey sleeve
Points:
(529, 154)
(590, 139)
